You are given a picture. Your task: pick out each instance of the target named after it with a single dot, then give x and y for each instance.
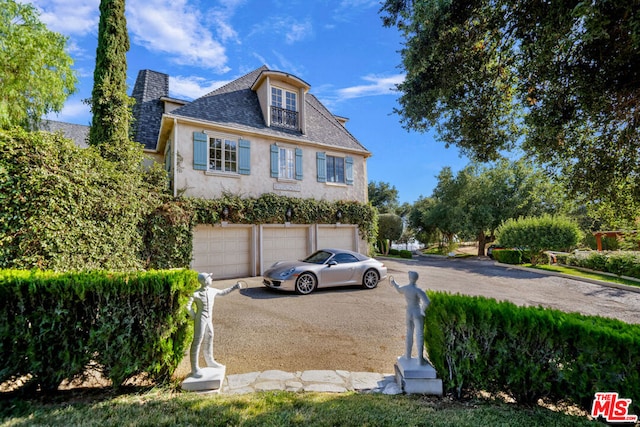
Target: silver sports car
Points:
(323, 269)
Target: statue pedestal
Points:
(211, 380)
(415, 378)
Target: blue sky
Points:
(339, 47)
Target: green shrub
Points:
(538, 234)
(618, 262)
(508, 256)
(406, 254)
(53, 324)
(530, 353)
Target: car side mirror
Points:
(332, 262)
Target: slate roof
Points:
(148, 90)
(77, 133)
(235, 104)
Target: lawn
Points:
(585, 274)
(167, 407)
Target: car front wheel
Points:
(370, 279)
(306, 283)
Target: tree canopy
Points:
(559, 79)
(383, 196)
(474, 202)
(36, 76)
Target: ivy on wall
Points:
(169, 230)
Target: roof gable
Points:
(236, 105)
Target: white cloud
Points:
(285, 27)
(78, 17)
(378, 85)
(74, 111)
(192, 87)
(174, 28)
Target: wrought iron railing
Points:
(284, 118)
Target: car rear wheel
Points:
(306, 283)
(370, 279)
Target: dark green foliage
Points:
(560, 79)
(383, 196)
(110, 104)
(620, 263)
(508, 256)
(66, 208)
(406, 254)
(530, 353)
(52, 325)
(389, 227)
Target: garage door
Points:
(223, 251)
(283, 243)
(337, 237)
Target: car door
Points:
(339, 270)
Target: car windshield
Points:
(319, 257)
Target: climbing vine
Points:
(169, 231)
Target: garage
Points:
(284, 242)
(226, 251)
(338, 236)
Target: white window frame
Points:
(284, 98)
(226, 155)
(286, 163)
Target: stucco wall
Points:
(196, 183)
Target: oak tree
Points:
(560, 79)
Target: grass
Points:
(166, 407)
(585, 274)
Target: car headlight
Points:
(287, 272)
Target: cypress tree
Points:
(110, 104)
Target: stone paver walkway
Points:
(316, 380)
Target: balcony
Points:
(287, 119)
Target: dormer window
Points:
(284, 111)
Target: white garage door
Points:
(283, 243)
(223, 251)
(337, 237)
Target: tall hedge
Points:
(66, 208)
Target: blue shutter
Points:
(200, 146)
(348, 165)
(274, 161)
(321, 164)
(298, 164)
(244, 157)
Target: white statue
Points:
(417, 303)
(203, 298)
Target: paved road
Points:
(353, 329)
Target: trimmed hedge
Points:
(530, 353)
(511, 256)
(52, 325)
(402, 253)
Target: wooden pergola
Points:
(616, 234)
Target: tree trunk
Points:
(482, 241)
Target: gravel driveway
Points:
(355, 329)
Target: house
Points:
(261, 133)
